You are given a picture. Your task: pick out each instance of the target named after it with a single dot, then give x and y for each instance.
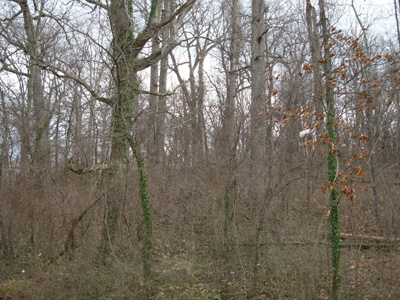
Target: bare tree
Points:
(197, 49)
(127, 51)
(34, 47)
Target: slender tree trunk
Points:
(334, 217)
(57, 132)
(194, 101)
(200, 106)
(192, 105)
(162, 100)
(370, 125)
(187, 114)
(153, 100)
(258, 125)
(4, 159)
(92, 141)
(227, 145)
(153, 114)
(315, 49)
(396, 13)
(77, 144)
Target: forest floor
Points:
(289, 272)
(189, 257)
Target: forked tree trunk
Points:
(127, 50)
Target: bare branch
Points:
(161, 94)
(153, 28)
(5, 67)
(98, 3)
(63, 74)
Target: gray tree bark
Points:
(258, 123)
(227, 146)
(162, 100)
(315, 49)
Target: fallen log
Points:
(97, 167)
(363, 245)
(369, 238)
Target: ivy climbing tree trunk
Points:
(122, 112)
(334, 217)
(146, 208)
(129, 59)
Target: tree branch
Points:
(98, 3)
(153, 28)
(56, 72)
(160, 94)
(147, 61)
(5, 67)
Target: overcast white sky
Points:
(378, 14)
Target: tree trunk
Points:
(125, 96)
(315, 49)
(4, 159)
(41, 151)
(396, 13)
(128, 61)
(227, 146)
(258, 124)
(370, 125)
(153, 113)
(200, 130)
(334, 217)
(162, 103)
